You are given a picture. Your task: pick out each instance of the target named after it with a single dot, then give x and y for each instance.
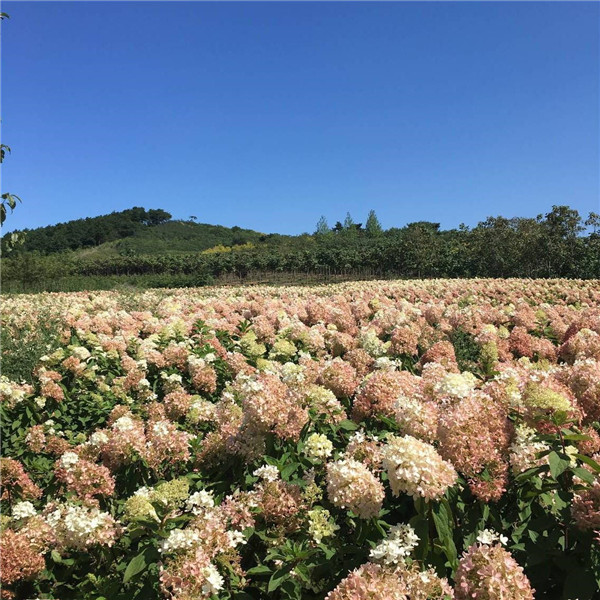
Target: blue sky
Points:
(269, 114)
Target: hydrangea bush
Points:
(409, 440)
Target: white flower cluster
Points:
(510, 380)
(267, 473)
(282, 349)
(385, 363)
(318, 446)
(199, 501)
(320, 524)
(123, 423)
(358, 437)
(171, 382)
(214, 581)
(79, 526)
(456, 385)
(201, 410)
(68, 460)
(50, 429)
(80, 352)
(489, 536)
(370, 342)
(351, 485)
(97, 438)
(524, 451)
(195, 362)
(415, 468)
(23, 510)
(399, 543)
(180, 539)
(412, 416)
(144, 492)
(161, 428)
(235, 538)
(249, 385)
(292, 374)
(9, 391)
(323, 401)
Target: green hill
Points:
(131, 232)
(179, 237)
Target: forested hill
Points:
(145, 244)
(132, 231)
(89, 232)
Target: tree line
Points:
(552, 245)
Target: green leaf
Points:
(259, 570)
(443, 525)
(290, 590)
(589, 461)
(574, 437)
(421, 527)
(584, 474)
(289, 470)
(136, 565)
(559, 463)
(348, 425)
(279, 577)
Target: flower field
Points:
(383, 440)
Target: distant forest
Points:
(139, 242)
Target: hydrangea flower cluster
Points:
(488, 572)
(415, 468)
(353, 486)
(399, 543)
(318, 446)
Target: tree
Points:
(348, 222)
(561, 248)
(421, 248)
(337, 227)
(193, 218)
(373, 226)
(593, 221)
(157, 216)
(322, 226)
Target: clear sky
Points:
(269, 114)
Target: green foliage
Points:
(90, 232)
(322, 226)
(23, 347)
(173, 250)
(8, 201)
(373, 226)
(466, 349)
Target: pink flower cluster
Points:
(489, 572)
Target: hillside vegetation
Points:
(154, 251)
(132, 231)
